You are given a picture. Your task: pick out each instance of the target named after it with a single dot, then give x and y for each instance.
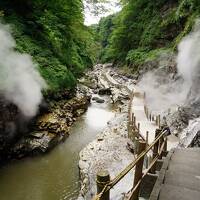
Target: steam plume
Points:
(20, 82)
(164, 91)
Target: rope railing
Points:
(122, 174)
(148, 169)
(104, 184)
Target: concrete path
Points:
(179, 177)
(146, 125)
(138, 110)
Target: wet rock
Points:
(105, 91)
(79, 112)
(98, 99)
(89, 81)
(35, 143)
(99, 139)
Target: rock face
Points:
(185, 100)
(42, 133)
(196, 141)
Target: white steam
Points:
(188, 60)
(20, 82)
(164, 92)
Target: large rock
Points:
(98, 99)
(105, 91)
(35, 143)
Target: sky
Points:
(92, 19)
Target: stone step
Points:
(182, 180)
(187, 150)
(169, 192)
(187, 168)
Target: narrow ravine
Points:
(55, 176)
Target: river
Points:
(55, 176)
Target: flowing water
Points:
(54, 176)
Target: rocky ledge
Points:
(44, 132)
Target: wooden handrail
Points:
(158, 150)
(119, 177)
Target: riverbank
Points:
(51, 128)
(110, 149)
(55, 175)
(21, 137)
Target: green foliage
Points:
(52, 32)
(103, 32)
(140, 56)
(144, 26)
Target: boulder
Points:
(98, 100)
(105, 91)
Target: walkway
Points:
(179, 177)
(146, 125)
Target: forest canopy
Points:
(54, 34)
(145, 28)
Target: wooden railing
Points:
(158, 147)
(104, 184)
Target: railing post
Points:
(164, 153)
(138, 170)
(134, 120)
(103, 178)
(159, 121)
(139, 127)
(147, 113)
(161, 141)
(155, 151)
(147, 138)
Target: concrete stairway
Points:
(179, 177)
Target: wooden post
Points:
(165, 148)
(103, 177)
(134, 121)
(136, 145)
(155, 151)
(132, 117)
(138, 134)
(159, 121)
(138, 170)
(161, 141)
(147, 138)
(147, 114)
(139, 127)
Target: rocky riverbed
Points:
(111, 149)
(21, 137)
